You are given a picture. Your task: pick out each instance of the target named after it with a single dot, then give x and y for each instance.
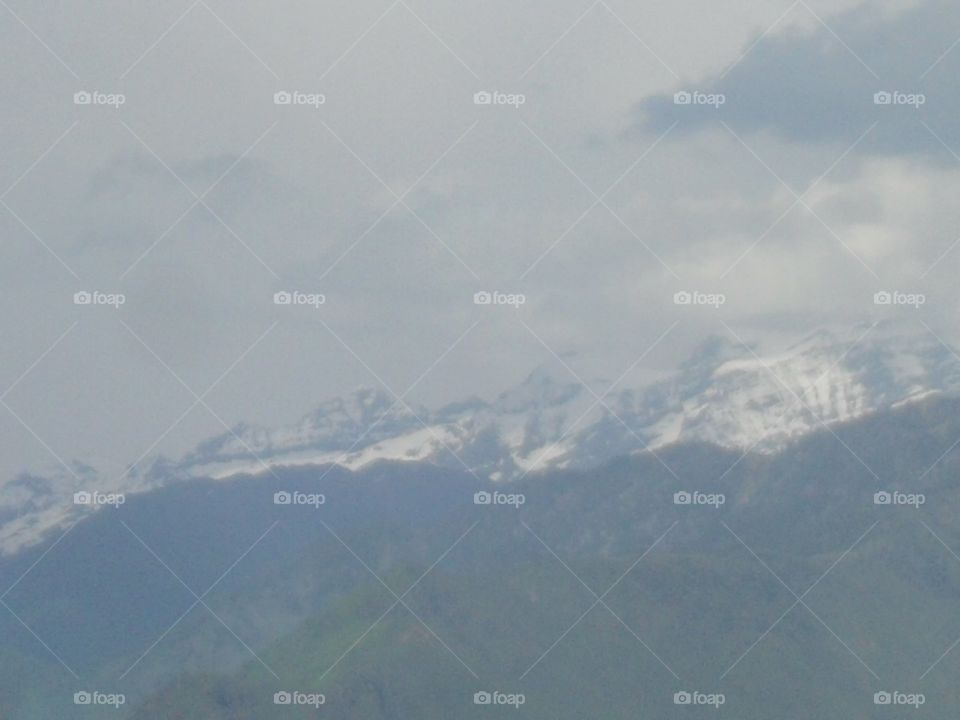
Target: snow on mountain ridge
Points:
(725, 394)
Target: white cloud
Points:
(295, 201)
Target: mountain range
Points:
(726, 393)
(796, 590)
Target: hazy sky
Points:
(398, 198)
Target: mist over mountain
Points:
(725, 394)
(776, 529)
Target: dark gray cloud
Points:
(815, 82)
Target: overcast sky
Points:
(398, 198)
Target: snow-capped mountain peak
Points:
(724, 393)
